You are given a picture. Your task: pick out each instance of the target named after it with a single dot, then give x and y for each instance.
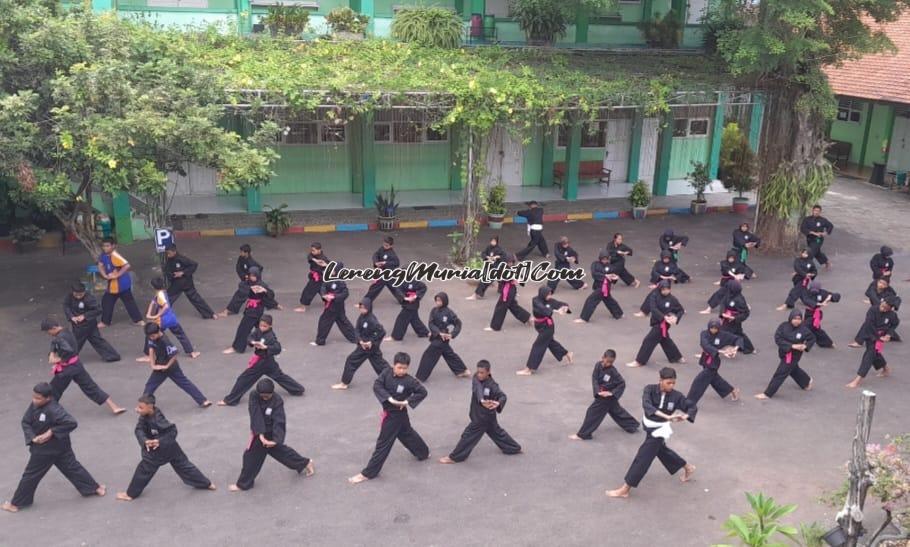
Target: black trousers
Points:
(717, 297)
(783, 371)
(310, 290)
(815, 249)
(574, 283)
(596, 298)
(377, 287)
(188, 473)
(481, 288)
(358, 356)
(237, 301)
(708, 377)
(244, 328)
(187, 287)
(794, 294)
(396, 425)
(545, 341)
(646, 303)
(653, 447)
(871, 359)
(822, 339)
(737, 329)
(88, 332)
(254, 457)
(499, 313)
(107, 306)
(682, 277)
(176, 375)
(334, 314)
(600, 407)
(439, 348)
(652, 339)
(624, 274)
(475, 431)
(249, 377)
(537, 240)
(409, 317)
(77, 373)
(38, 466)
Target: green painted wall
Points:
(384, 7)
(213, 5)
(413, 166)
(693, 37)
(685, 151)
(615, 34)
(587, 154)
(181, 18)
(852, 132)
(314, 168)
(532, 158)
(878, 132)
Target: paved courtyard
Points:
(792, 448)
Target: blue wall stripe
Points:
(352, 227)
(680, 211)
(442, 223)
(258, 231)
(603, 215)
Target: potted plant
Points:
(26, 237)
(277, 221)
(430, 26)
(699, 179)
(640, 198)
(387, 210)
(737, 165)
(543, 21)
(495, 205)
(286, 20)
(347, 24)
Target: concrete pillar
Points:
(102, 5)
(456, 161)
(368, 8)
(870, 106)
(635, 146)
(716, 135)
(123, 218)
(368, 161)
(244, 16)
(546, 156)
(664, 150)
(582, 19)
(253, 200)
(573, 160)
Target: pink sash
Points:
(605, 288)
(879, 344)
(664, 328)
(505, 291)
(253, 303)
(547, 320)
(382, 417)
(60, 365)
(788, 358)
(314, 275)
(731, 312)
(708, 358)
(253, 361)
(816, 318)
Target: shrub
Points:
(699, 179)
(428, 26)
(737, 161)
(347, 20)
(496, 200)
(277, 221)
(662, 32)
(640, 195)
(288, 20)
(387, 206)
(543, 21)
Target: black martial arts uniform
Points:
(442, 321)
(255, 307)
(184, 284)
(87, 329)
(410, 310)
(656, 446)
(805, 272)
(69, 369)
(665, 271)
(391, 262)
(314, 278)
(604, 278)
(484, 421)
(878, 324)
(56, 452)
(669, 239)
(816, 224)
(660, 307)
(157, 427)
(730, 269)
(267, 418)
(785, 336)
(508, 302)
(534, 217)
(882, 264)
(546, 329)
(494, 255)
(610, 380)
(875, 298)
(814, 314)
(333, 296)
(740, 240)
(164, 351)
(262, 363)
(368, 329)
(618, 261)
(395, 423)
(561, 262)
(242, 267)
(735, 305)
(710, 362)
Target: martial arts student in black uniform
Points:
(877, 331)
(565, 258)
(113, 267)
(494, 254)
(409, 296)
(534, 215)
(370, 333)
(663, 405)
(334, 294)
(159, 447)
(396, 390)
(83, 311)
(64, 355)
(878, 290)
(714, 343)
(163, 362)
(317, 262)
(258, 296)
(543, 306)
(672, 242)
(266, 347)
(882, 264)
(179, 270)
(664, 269)
(444, 327)
(815, 298)
(507, 302)
(384, 259)
(604, 278)
(815, 227)
(47, 427)
(744, 241)
(793, 338)
(487, 400)
(804, 272)
(245, 261)
(734, 311)
(666, 311)
(618, 252)
(268, 426)
(730, 268)
(608, 385)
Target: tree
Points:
(737, 161)
(781, 48)
(95, 103)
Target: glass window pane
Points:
(437, 135)
(680, 127)
(333, 133)
(698, 127)
(382, 132)
(407, 132)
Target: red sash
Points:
(314, 275)
(60, 365)
(879, 344)
(788, 358)
(708, 358)
(806, 281)
(731, 312)
(253, 303)
(547, 320)
(382, 417)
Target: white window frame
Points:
(421, 133)
(849, 107)
(689, 134)
(319, 139)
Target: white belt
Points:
(661, 429)
(535, 227)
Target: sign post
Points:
(163, 238)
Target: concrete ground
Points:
(792, 448)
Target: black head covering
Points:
(603, 255)
(265, 386)
(664, 284)
(794, 313)
(444, 297)
(886, 251)
(714, 324)
(668, 232)
(367, 303)
(665, 254)
(254, 270)
(893, 301)
(543, 292)
(732, 253)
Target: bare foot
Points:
(101, 325)
(583, 286)
(142, 359)
(717, 282)
(525, 372)
(705, 311)
(570, 357)
(636, 284)
(885, 372)
(782, 307)
(488, 329)
(472, 297)
(313, 344)
(633, 364)
(621, 492)
(465, 374)
(123, 497)
(212, 486)
(579, 321)
(854, 345)
(279, 307)
(223, 313)
(118, 411)
(101, 491)
(206, 403)
(855, 383)
(9, 507)
(387, 339)
(139, 323)
(811, 384)
(761, 397)
(682, 361)
(734, 396)
(340, 385)
(639, 314)
(358, 478)
(228, 351)
(233, 488)
(214, 317)
(446, 459)
(300, 309)
(688, 470)
(309, 470)
(195, 354)
(222, 403)
(575, 437)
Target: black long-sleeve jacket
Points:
(87, 306)
(404, 388)
(267, 417)
(653, 400)
(607, 379)
(711, 343)
(51, 416)
(487, 390)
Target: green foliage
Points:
(737, 161)
(811, 535)
(26, 233)
(699, 179)
(786, 194)
(761, 527)
(347, 20)
(640, 195)
(286, 20)
(721, 17)
(662, 32)
(387, 206)
(428, 26)
(496, 200)
(543, 21)
(277, 221)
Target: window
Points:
(680, 127)
(407, 132)
(382, 132)
(849, 110)
(589, 139)
(698, 127)
(332, 133)
(434, 135)
(313, 133)
(690, 127)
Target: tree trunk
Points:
(471, 203)
(850, 517)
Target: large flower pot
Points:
(835, 537)
(387, 224)
(698, 207)
(495, 221)
(741, 205)
(639, 213)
